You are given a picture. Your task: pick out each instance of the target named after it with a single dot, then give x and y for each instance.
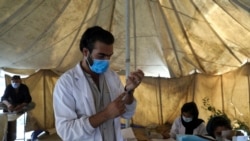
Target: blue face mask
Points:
(15, 85)
(98, 66)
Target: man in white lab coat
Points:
(89, 99)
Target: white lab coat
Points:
(73, 105)
(178, 128)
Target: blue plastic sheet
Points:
(190, 138)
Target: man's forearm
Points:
(6, 103)
(97, 119)
(20, 106)
(23, 104)
(130, 98)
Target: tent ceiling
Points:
(168, 37)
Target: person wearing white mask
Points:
(188, 123)
(17, 97)
(90, 99)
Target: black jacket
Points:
(15, 98)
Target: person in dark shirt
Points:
(216, 125)
(17, 97)
(219, 124)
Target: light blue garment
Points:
(190, 138)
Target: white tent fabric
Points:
(169, 38)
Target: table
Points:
(140, 134)
(3, 125)
(13, 116)
(11, 125)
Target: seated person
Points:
(188, 122)
(216, 125)
(17, 97)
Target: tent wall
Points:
(160, 99)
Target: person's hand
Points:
(239, 133)
(10, 107)
(232, 133)
(18, 108)
(165, 134)
(116, 107)
(134, 79)
(228, 134)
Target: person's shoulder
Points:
(177, 120)
(23, 85)
(203, 123)
(66, 76)
(9, 86)
(69, 75)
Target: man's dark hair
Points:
(93, 34)
(191, 108)
(16, 77)
(217, 121)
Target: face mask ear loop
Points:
(87, 60)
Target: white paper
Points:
(128, 134)
(240, 138)
(13, 116)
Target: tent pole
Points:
(127, 25)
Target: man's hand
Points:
(10, 108)
(116, 107)
(134, 79)
(165, 134)
(8, 105)
(18, 108)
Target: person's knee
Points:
(29, 107)
(32, 105)
(3, 107)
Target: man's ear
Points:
(85, 52)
